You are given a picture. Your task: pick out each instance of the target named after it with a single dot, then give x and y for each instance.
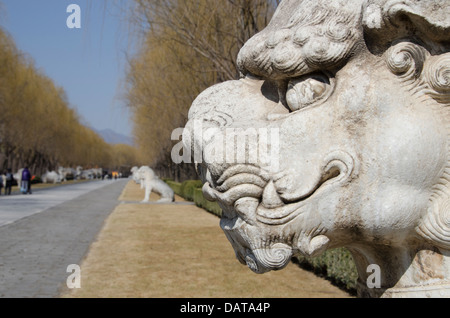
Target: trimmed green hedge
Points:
(188, 187)
(191, 190)
(209, 206)
(176, 187)
(336, 265)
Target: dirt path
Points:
(179, 251)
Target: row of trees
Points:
(37, 126)
(187, 46)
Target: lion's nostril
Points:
(332, 173)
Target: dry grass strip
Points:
(179, 251)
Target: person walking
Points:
(26, 181)
(9, 181)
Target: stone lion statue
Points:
(151, 182)
(134, 174)
(52, 177)
(358, 93)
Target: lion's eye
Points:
(307, 90)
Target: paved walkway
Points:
(17, 206)
(43, 233)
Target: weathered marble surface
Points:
(358, 94)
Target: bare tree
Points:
(187, 46)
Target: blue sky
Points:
(89, 63)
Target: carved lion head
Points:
(348, 104)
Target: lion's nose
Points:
(270, 196)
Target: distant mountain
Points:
(112, 137)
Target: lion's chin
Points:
(261, 255)
(264, 248)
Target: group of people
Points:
(7, 181)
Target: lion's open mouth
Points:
(255, 197)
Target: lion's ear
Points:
(386, 21)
